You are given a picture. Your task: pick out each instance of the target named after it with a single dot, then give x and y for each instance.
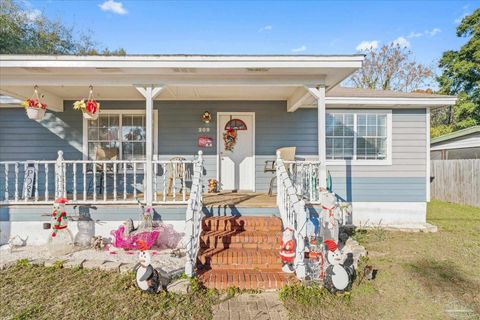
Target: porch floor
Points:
(239, 199)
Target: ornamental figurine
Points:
(146, 276)
(287, 251)
(60, 241)
(339, 273)
(206, 117)
(212, 186)
(330, 216)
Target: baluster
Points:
(124, 181)
(36, 181)
(174, 166)
(184, 189)
(6, 196)
(135, 180)
(155, 169)
(84, 171)
(64, 168)
(310, 180)
(25, 194)
(164, 169)
(94, 181)
(115, 182)
(46, 183)
(74, 168)
(104, 181)
(16, 181)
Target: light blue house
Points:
(146, 141)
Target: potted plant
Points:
(90, 107)
(34, 108)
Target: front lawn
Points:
(421, 276)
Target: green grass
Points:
(420, 275)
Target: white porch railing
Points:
(92, 181)
(193, 222)
(293, 213)
(305, 175)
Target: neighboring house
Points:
(461, 144)
(374, 144)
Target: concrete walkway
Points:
(263, 306)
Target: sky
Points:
(427, 28)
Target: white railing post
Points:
(59, 176)
(300, 228)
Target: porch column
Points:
(319, 93)
(149, 92)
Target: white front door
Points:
(237, 166)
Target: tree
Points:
(461, 76)
(391, 67)
(24, 33)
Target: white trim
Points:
(121, 112)
(430, 101)
(389, 213)
(427, 147)
(386, 162)
(219, 139)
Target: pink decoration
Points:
(132, 241)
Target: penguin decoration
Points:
(339, 274)
(146, 276)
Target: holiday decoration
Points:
(212, 185)
(97, 243)
(287, 251)
(338, 275)
(147, 277)
(90, 107)
(86, 227)
(230, 139)
(34, 108)
(205, 142)
(330, 216)
(206, 117)
(61, 239)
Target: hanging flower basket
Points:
(90, 107)
(34, 108)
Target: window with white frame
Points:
(358, 135)
(123, 133)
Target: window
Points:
(122, 133)
(358, 136)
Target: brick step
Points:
(239, 259)
(245, 279)
(242, 224)
(238, 240)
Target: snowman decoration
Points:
(287, 251)
(60, 241)
(331, 215)
(338, 276)
(146, 276)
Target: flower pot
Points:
(90, 116)
(35, 113)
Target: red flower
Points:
(92, 106)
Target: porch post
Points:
(319, 93)
(149, 92)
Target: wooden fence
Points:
(456, 181)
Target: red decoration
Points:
(230, 139)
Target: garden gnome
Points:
(60, 241)
(287, 252)
(337, 276)
(330, 216)
(147, 277)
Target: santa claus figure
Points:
(287, 251)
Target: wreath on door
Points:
(230, 139)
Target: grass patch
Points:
(420, 275)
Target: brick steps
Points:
(245, 279)
(241, 252)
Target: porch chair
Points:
(176, 171)
(287, 154)
(102, 154)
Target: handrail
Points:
(305, 175)
(194, 215)
(293, 213)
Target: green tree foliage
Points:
(22, 32)
(461, 76)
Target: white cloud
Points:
(459, 19)
(401, 42)
(33, 14)
(433, 32)
(414, 34)
(429, 33)
(266, 28)
(113, 6)
(367, 45)
(300, 49)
